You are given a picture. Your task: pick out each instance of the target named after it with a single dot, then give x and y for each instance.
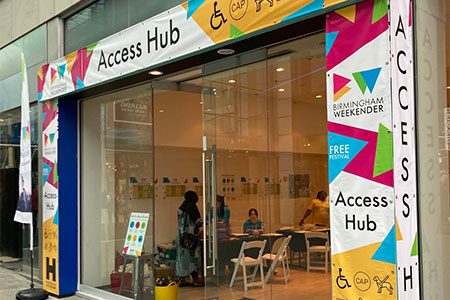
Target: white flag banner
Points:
(24, 212)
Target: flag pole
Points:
(24, 212)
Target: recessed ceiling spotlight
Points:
(281, 90)
(280, 69)
(318, 96)
(155, 73)
(161, 110)
(448, 88)
(231, 81)
(225, 51)
(201, 102)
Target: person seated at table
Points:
(253, 225)
(320, 209)
(223, 211)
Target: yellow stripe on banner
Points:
(357, 276)
(222, 20)
(328, 3)
(50, 262)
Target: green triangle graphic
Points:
(55, 173)
(383, 156)
(235, 32)
(360, 81)
(90, 48)
(380, 9)
(415, 247)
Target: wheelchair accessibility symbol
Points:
(341, 281)
(217, 18)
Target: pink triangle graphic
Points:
(339, 82)
(125, 250)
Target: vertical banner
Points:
(403, 109)
(360, 153)
(50, 197)
(24, 212)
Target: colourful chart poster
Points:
(137, 227)
(360, 152)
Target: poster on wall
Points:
(402, 70)
(187, 28)
(299, 185)
(50, 263)
(228, 187)
(360, 152)
(134, 240)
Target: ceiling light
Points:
(280, 69)
(161, 110)
(155, 73)
(281, 90)
(318, 96)
(201, 102)
(225, 51)
(231, 81)
(448, 88)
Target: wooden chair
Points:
(319, 245)
(246, 261)
(281, 256)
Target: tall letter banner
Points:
(50, 262)
(403, 110)
(360, 152)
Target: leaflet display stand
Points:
(132, 253)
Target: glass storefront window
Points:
(106, 17)
(433, 121)
(15, 237)
(117, 179)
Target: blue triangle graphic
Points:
(371, 77)
(61, 70)
(387, 250)
(330, 38)
(40, 96)
(56, 218)
(45, 172)
(193, 5)
(43, 116)
(80, 83)
(341, 151)
(316, 5)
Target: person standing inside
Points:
(190, 221)
(320, 210)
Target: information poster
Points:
(360, 152)
(137, 227)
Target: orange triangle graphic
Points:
(328, 3)
(70, 60)
(398, 232)
(349, 13)
(341, 93)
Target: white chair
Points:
(281, 256)
(246, 261)
(323, 247)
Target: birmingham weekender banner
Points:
(50, 263)
(360, 152)
(184, 29)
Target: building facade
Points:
(263, 103)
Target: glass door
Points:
(235, 168)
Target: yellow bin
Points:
(169, 292)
